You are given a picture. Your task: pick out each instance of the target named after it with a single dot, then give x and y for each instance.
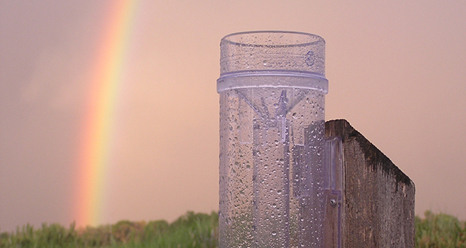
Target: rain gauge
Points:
(276, 181)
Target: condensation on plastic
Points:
(272, 89)
(272, 50)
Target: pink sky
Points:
(396, 72)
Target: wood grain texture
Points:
(378, 198)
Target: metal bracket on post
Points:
(333, 178)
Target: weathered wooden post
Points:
(369, 201)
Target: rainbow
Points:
(99, 121)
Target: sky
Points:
(395, 70)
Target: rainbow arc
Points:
(95, 150)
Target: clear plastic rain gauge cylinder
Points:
(272, 87)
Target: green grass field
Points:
(440, 230)
(194, 230)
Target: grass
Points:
(194, 230)
(190, 230)
(440, 230)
